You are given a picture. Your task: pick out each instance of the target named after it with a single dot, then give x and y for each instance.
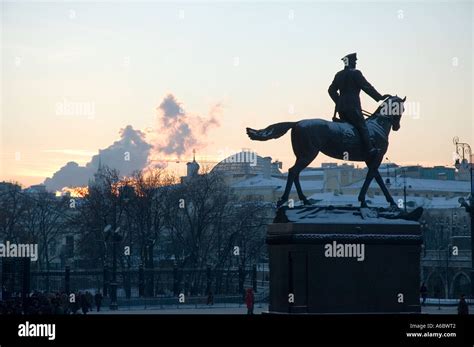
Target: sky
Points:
(75, 74)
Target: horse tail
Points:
(273, 131)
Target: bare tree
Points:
(12, 208)
(103, 206)
(145, 196)
(147, 201)
(196, 208)
(45, 222)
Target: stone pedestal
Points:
(315, 266)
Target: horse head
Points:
(392, 108)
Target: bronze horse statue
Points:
(338, 140)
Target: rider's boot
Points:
(370, 150)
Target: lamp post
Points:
(463, 149)
(113, 284)
(440, 265)
(106, 285)
(424, 232)
(388, 183)
(423, 227)
(387, 180)
(448, 255)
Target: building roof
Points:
(330, 198)
(260, 181)
(420, 184)
(308, 173)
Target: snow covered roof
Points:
(260, 181)
(379, 201)
(308, 173)
(421, 184)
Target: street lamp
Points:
(387, 180)
(106, 283)
(448, 256)
(424, 232)
(463, 149)
(441, 250)
(388, 183)
(113, 284)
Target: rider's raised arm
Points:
(367, 87)
(333, 90)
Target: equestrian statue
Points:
(349, 138)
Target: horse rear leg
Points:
(293, 176)
(303, 165)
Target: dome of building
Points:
(247, 163)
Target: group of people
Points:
(38, 303)
(82, 302)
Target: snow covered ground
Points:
(186, 309)
(236, 309)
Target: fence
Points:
(141, 282)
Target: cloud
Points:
(70, 175)
(177, 134)
(180, 132)
(128, 154)
(171, 110)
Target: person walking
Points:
(98, 300)
(249, 300)
(210, 298)
(423, 293)
(463, 307)
(84, 304)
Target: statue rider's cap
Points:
(350, 57)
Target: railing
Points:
(153, 283)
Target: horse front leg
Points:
(385, 191)
(363, 191)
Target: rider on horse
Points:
(349, 82)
